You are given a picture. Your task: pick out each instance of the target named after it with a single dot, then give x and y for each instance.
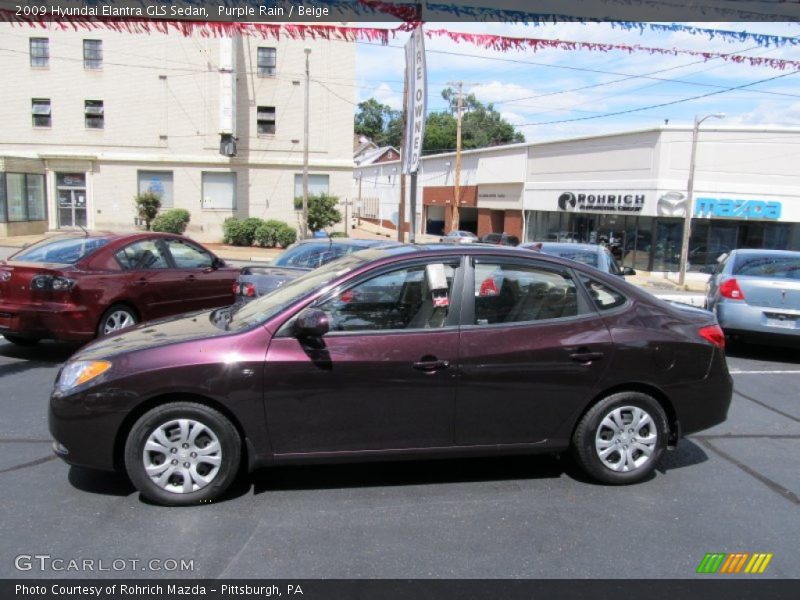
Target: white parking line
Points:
(736, 372)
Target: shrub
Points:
(275, 233)
(172, 221)
(147, 206)
(249, 226)
(233, 232)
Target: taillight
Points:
(50, 282)
(235, 287)
(730, 289)
(249, 290)
(713, 334)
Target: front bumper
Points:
(47, 320)
(84, 428)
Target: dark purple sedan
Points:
(409, 351)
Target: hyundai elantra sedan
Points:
(405, 351)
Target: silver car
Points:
(756, 295)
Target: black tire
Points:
(116, 309)
(585, 440)
(230, 444)
(20, 341)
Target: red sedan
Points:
(77, 287)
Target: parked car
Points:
(594, 255)
(77, 287)
(297, 259)
(396, 352)
(459, 237)
(502, 239)
(756, 295)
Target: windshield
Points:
(62, 250)
(766, 265)
(310, 256)
(266, 307)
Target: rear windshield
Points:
(581, 256)
(311, 256)
(63, 250)
(765, 265)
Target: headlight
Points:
(80, 372)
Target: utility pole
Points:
(687, 219)
(401, 212)
(457, 181)
(304, 227)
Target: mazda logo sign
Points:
(673, 204)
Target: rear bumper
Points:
(47, 320)
(703, 404)
(743, 318)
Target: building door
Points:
(71, 197)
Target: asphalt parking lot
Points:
(732, 489)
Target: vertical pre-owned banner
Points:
(416, 100)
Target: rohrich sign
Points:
(601, 202)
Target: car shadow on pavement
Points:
(763, 352)
(100, 482)
(402, 473)
(45, 353)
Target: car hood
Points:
(154, 334)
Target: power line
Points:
(661, 105)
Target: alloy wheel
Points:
(119, 319)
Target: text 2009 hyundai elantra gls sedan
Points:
(408, 351)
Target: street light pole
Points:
(304, 228)
(687, 219)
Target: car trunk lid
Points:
(770, 293)
(16, 277)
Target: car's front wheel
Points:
(182, 453)
(621, 438)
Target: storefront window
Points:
(15, 196)
(36, 196)
(667, 248)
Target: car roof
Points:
(763, 251)
(347, 242)
(569, 246)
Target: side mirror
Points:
(626, 271)
(311, 323)
(217, 263)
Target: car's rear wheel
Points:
(20, 341)
(117, 318)
(182, 453)
(621, 438)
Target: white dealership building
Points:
(628, 190)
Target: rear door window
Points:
(511, 293)
(142, 256)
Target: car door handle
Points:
(431, 365)
(190, 278)
(141, 281)
(586, 357)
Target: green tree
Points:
(147, 207)
(379, 122)
(322, 212)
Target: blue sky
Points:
(556, 73)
